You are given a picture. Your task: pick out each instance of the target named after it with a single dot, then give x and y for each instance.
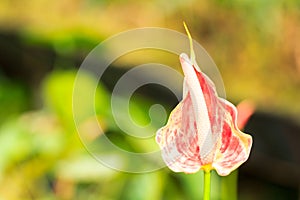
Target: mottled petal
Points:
(203, 125)
(222, 144)
(202, 130)
(234, 145)
(227, 139)
(178, 139)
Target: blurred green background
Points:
(255, 44)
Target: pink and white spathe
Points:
(202, 131)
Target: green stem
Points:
(206, 192)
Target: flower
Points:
(202, 131)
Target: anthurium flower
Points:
(202, 131)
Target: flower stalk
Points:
(206, 191)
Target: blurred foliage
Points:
(42, 157)
(255, 44)
(18, 97)
(258, 40)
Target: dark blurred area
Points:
(272, 171)
(255, 44)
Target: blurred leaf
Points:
(58, 96)
(15, 144)
(14, 99)
(84, 168)
(229, 186)
(29, 135)
(192, 185)
(146, 186)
